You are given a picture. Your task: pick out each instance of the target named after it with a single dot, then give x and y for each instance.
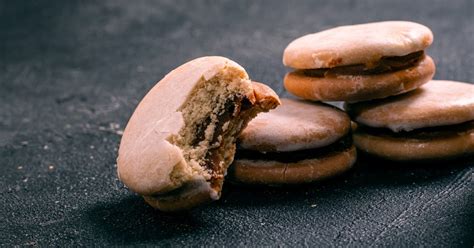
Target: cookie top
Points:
(437, 103)
(295, 125)
(356, 44)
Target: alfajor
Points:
(433, 122)
(181, 138)
(297, 142)
(359, 62)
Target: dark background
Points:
(73, 71)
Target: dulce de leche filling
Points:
(383, 65)
(427, 133)
(340, 145)
(233, 109)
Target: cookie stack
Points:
(383, 74)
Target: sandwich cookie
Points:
(433, 122)
(359, 62)
(181, 138)
(298, 142)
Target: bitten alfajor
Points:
(359, 62)
(433, 122)
(180, 140)
(297, 142)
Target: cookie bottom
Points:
(354, 88)
(445, 144)
(189, 195)
(304, 171)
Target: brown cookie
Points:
(433, 122)
(359, 62)
(180, 140)
(297, 142)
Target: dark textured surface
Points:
(72, 73)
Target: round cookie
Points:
(181, 137)
(359, 62)
(433, 122)
(297, 142)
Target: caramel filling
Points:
(340, 145)
(233, 109)
(384, 65)
(422, 133)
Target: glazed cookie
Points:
(433, 122)
(359, 62)
(297, 142)
(180, 140)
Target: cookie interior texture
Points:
(214, 114)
